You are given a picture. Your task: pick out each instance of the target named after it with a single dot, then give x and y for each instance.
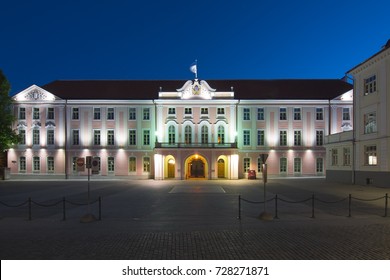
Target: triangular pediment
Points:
(35, 94)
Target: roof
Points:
(384, 48)
(243, 89)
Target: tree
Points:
(8, 136)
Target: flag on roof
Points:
(194, 68)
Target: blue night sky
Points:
(42, 41)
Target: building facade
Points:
(363, 156)
(178, 130)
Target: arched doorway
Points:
(196, 167)
(221, 168)
(170, 167)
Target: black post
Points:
(63, 209)
(386, 203)
(349, 205)
(100, 208)
(276, 207)
(239, 207)
(29, 208)
(312, 206)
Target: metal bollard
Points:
(100, 208)
(29, 209)
(349, 205)
(312, 206)
(63, 209)
(276, 207)
(239, 207)
(386, 203)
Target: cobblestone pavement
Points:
(191, 220)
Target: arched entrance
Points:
(170, 167)
(196, 167)
(221, 168)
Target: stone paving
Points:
(192, 220)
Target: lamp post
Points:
(265, 215)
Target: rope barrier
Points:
(18, 205)
(373, 199)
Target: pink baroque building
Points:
(182, 130)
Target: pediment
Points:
(35, 94)
(196, 90)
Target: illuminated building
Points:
(179, 129)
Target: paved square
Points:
(197, 189)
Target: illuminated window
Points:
(146, 164)
(111, 164)
(221, 134)
(50, 164)
(132, 164)
(370, 155)
(370, 85)
(247, 164)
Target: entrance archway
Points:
(222, 167)
(170, 167)
(196, 167)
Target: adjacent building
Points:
(362, 156)
(194, 129)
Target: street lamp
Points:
(264, 215)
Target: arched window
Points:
(205, 135)
(171, 134)
(188, 134)
(221, 134)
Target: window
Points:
(247, 164)
(132, 164)
(297, 138)
(188, 111)
(347, 156)
(297, 165)
(132, 137)
(36, 136)
(346, 116)
(370, 155)
(221, 135)
(283, 165)
(99, 162)
(171, 135)
(319, 114)
(247, 137)
(96, 137)
(111, 164)
(110, 113)
(74, 164)
(260, 138)
(75, 113)
(204, 135)
(36, 164)
(204, 111)
(50, 137)
(50, 164)
(297, 114)
(110, 137)
(283, 138)
(319, 165)
(146, 137)
(36, 113)
(220, 111)
(146, 114)
(75, 137)
(22, 113)
(259, 165)
(50, 113)
(22, 136)
(146, 164)
(334, 155)
(260, 114)
(171, 111)
(132, 114)
(370, 123)
(370, 85)
(188, 134)
(319, 137)
(282, 114)
(96, 113)
(246, 114)
(22, 164)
